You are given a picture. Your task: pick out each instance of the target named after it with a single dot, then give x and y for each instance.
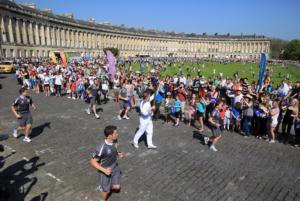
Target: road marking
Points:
(54, 177)
(26, 159)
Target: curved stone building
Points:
(29, 32)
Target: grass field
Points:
(244, 69)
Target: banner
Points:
(111, 63)
(63, 58)
(53, 57)
(262, 68)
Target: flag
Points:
(53, 57)
(111, 63)
(63, 58)
(262, 68)
(67, 57)
(87, 56)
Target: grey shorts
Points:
(93, 100)
(25, 120)
(106, 182)
(216, 132)
(123, 104)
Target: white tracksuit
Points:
(146, 124)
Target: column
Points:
(63, 37)
(75, 44)
(71, 38)
(30, 33)
(94, 41)
(80, 37)
(53, 37)
(86, 40)
(24, 33)
(18, 34)
(89, 40)
(42, 32)
(10, 31)
(58, 38)
(37, 35)
(3, 30)
(48, 39)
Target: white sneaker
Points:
(135, 145)
(27, 139)
(272, 141)
(69, 97)
(97, 116)
(119, 117)
(15, 133)
(213, 148)
(126, 117)
(206, 140)
(88, 111)
(74, 98)
(152, 147)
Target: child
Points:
(178, 106)
(73, 90)
(227, 118)
(168, 107)
(191, 109)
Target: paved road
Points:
(55, 166)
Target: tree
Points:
(115, 51)
(292, 50)
(277, 47)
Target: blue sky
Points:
(273, 18)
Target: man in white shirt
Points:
(58, 83)
(146, 125)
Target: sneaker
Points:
(152, 147)
(69, 97)
(97, 116)
(272, 141)
(126, 117)
(99, 188)
(119, 117)
(15, 133)
(206, 140)
(27, 139)
(135, 145)
(213, 148)
(74, 98)
(88, 111)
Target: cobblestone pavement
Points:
(55, 166)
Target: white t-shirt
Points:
(238, 98)
(58, 80)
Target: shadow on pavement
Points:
(36, 131)
(15, 180)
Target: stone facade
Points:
(30, 32)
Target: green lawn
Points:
(244, 70)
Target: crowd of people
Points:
(216, 104)
(181, 99)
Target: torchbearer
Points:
(146, 125)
